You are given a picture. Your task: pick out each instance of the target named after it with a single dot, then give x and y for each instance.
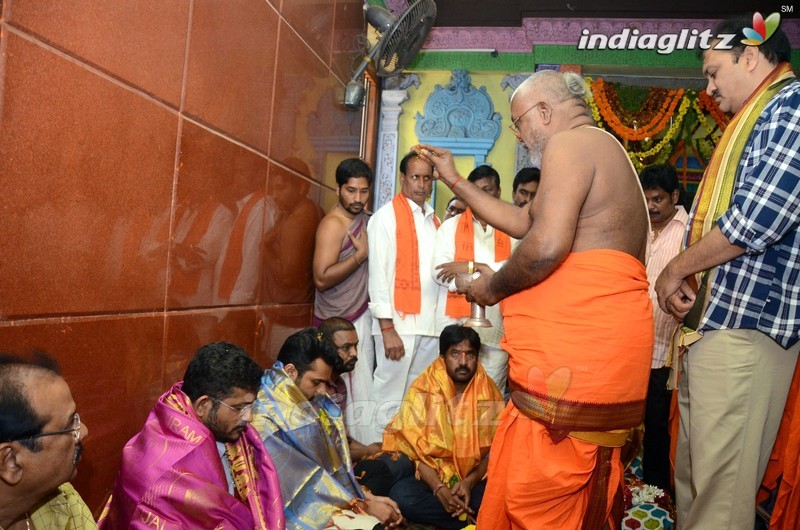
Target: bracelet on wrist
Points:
(440, 486)
(452, 186)
(387, 328)
(470, 267)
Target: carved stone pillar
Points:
(386, 170)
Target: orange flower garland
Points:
(655, 114)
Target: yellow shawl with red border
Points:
(719, 179)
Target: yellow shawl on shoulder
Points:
(433, 426)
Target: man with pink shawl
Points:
(198, 463)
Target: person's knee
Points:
(406, 493)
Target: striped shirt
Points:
(761, 288)
(662, 249)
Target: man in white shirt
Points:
(668, 225)
(401, 290)
(455, 253)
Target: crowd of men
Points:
(603, 293)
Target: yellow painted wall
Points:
(502, 155)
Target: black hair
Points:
(217, 369)
(405, 160)
(331, 325)
(659, 176)
(455, 333)
(525, 175)
(306, 346)
(776, 49)
(18, 421)
(484, 171)
(350, 168)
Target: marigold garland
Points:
(638, 157)
(654, 115)
(663, 111)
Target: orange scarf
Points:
(407, 288)
(457, 305)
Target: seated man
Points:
(303, 430)
(446, 424)
(197, 463)
(40, 445)
(342, 333)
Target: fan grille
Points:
(406, 38)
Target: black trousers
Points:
(655, 460)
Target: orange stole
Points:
(407, 288)
(457, 305)
(431, 427)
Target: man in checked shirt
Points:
(744, 256)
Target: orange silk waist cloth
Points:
(580, 343)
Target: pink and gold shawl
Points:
(171, 477)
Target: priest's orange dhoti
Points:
(580, 346)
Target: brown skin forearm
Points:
(359, 451)
(477, 474)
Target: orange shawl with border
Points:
(407, 288)
(457, 305)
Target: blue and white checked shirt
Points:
(761, 289)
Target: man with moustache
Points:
(526, 182)
(302, 429)
(40, 445)
(446, 425)
(342, 333)
(341, 277)
(198, 463)
(735, 286)
(668, 224)
(577, 318)
(401, 289)
(465, 245)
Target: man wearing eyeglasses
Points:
(304, 431)
(445, 425)
(198, 463)
(465, 245)
(577, 315)
(401, 290)
(40, 445)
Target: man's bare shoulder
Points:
(333, 226)
(586, 136)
